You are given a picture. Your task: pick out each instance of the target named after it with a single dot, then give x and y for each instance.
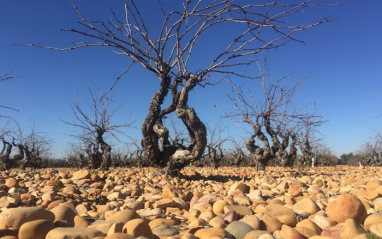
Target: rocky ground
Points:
(333, 202)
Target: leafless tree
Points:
(235, 154)
(33, 149)
(323, 155)
(75, 156)
(172, 52)
(307, 130)
(266, 115)
(214, 152)
(37, 146)
(95, 127)
(371, 152)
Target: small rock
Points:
(71, 232)
(310, 225)
(323, 222)
(82, 174)
(65, 214)
(240, 210)
(270, 224)
(238, 229)
(373, 184)
(346, 206)
(230, 216)
(217, 222)
(11, 183)
(119, 236)
(283, 214)
(306, 205)
(376, 229)
(138, 227)
(290, 233)
(332, 232)
(13, 218)
(257, 234)
(164, 230)
(123, 216)
(105, 226)
(37, 229)
(207, 233)
(351, 228)
(80, 222)
(252, 220)
(218, 207)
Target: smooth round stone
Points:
(290, 233)
(80, 222)
(351, 228)
(119, 236)
(13, 218)
(207, 233)
(371, 195)
(240, 210)
(230, 216)
(71, 232)
(306, 232)
(283, 214)
(159, 221)
(376, 229)
(82, 174)
(164, 230)
(310, 225)
(306, 205)
(258, 234)
(238, 229)
(333, 232)
(123, 216)
(217, 222)
(270, 224)
(218, 207)
(243, 188)
(35, 229)
(207, 216)
(346, 206)
(64, 213)
(323, 222)
(138, 227)
(105, 226)
(252, 220)
(377, 203)
(373, 184)
(375, 218)
(11, 183)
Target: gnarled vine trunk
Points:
(156, 144)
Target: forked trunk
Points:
(165, 154)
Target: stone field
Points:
(331, 202)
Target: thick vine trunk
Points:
(150, 138)
(106, 156)
(165, 154)
(4, 157)
(259, 155)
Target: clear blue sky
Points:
(343, 59)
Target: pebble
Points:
(13, 218)
(37, 229)
(346, 206)
(71, 232)
(238, 229)
(138, 227)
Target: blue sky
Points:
(342, 58)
